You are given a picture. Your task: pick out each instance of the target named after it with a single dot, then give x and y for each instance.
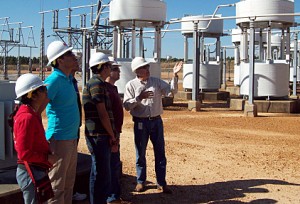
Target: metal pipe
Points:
(115, 42)
(202, 48)
(282, 44)
(42, 48)
(288, 45)
(218, 48)
(186, 49)
(120, 41)
(196, 64)
(251, 62)
(269, 50)
(83, 59)
(30, 60)
(141, 44)
(4, 61)
(133, 41)
(70, 26)
(18, 62)
(224, 68)
(295, 62)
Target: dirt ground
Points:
(219, 156)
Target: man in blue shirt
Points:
(63, 120)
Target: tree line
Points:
(12, 60)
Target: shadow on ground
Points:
(217, 193)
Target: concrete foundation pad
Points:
(234, 90)
(208, 96)
(194, 106)
(271, 106)
(237, 104)
(250, 110)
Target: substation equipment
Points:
(116, 26)
(131, 21)
(11, 36)
(208, 76)
(266, 76)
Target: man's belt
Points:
(147, 118)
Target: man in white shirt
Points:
(143, 98)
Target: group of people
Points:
(54, 151)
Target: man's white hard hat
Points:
(138, 62)
(26, 83)
(56, 49)
(114, 62)
(98, 58)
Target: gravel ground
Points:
(219, 156)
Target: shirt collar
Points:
(60, 73)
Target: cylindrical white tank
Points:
(144, 13)
(237, 36)
(210, 76)
(126, 73)
(259, 8)
(269, 79)
(205, 26)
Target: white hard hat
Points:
(56, 49)
(98, 58)
(26, 83)
(137, 63)
(114, 62)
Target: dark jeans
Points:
(100, 177)
(143, 130)
(115, 165)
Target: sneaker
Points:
(164, 189)
(79, 196)
(139, 187)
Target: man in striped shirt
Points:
(99, 128)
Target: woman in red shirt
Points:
(29, 134)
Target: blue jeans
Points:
(100, 178)
(25, 183)
(143, 129)
(115, 165)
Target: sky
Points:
(27, 11)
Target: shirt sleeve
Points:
(97, 93)
(52, 87)
(25, 140)
(130, 99)
(171, 88)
